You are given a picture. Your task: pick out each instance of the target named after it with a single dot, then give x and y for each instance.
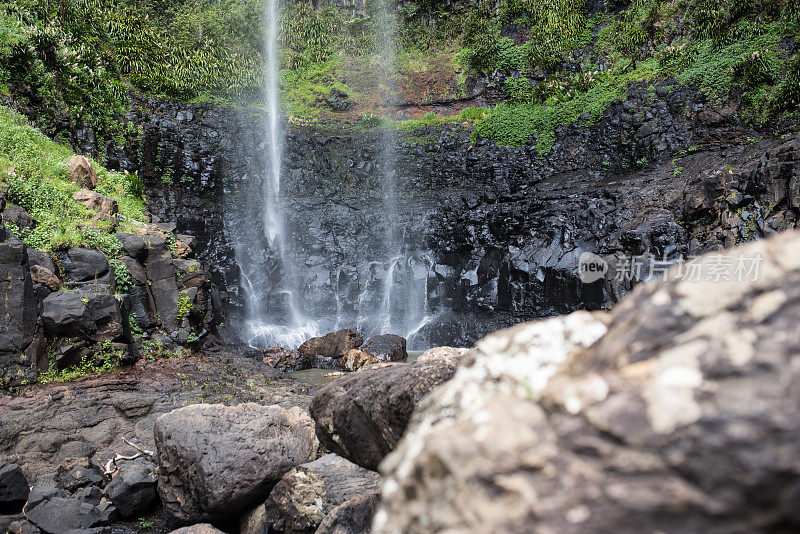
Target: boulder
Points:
(133, 487)
(678, 413)
(42, 259)
(216, 461)
(362, 416)
(287, 360)
(106, 207)
(133, 245)
(351, 517)
(83, 265)
(16, 215)
(42, 275)
(203, 528)
(386, 348)
(14, 488)
(96, 316)
(332, 345)
(305, 495)
(81, 172)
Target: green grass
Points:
(103, 361)
(517, 124)
(33, 169)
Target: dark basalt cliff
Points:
(664, 173)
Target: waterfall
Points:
(263, 252)
(289, 293)
(404, 299)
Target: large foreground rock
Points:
(683, 417)
(362, 416)
(215, 461)
(306, 494)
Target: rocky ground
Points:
(675, 413)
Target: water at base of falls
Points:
(287, 297)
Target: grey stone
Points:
(216, 461)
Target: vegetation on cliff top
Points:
(555, 62)
(33, 172)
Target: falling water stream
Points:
(270, 249)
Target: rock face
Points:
(307, 494)
(332, 345)
(18, 310)
(363, 416)
(81, 172)
(681, 417)
(13, 488)
(215, 461)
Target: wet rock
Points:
(81, 172)
(14, 488)
(362, 416)
(305, 495)
(98, 317)
(85, 265)
(203, 528)
(133, 487)
(287, 360)
(332, 345)
(215, 461)
(17, 216)
(352, 517)
(677, 413)
(41, 275)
